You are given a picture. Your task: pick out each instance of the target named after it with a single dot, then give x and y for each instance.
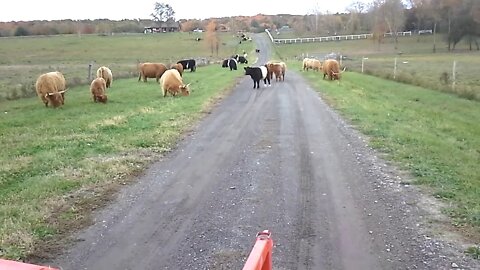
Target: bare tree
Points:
(377, 15)
(162, 12)
(356, 9)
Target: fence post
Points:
(363, 62)
(90, 72)
(454, 71)
(395, 69)
(260, 257)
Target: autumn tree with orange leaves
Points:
(211, 37)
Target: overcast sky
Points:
(27, 10)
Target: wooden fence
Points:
(328, 38)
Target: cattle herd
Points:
(330, 67)
(51, 86)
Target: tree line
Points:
(456, 20)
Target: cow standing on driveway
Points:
(257, 74)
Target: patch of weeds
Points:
(474, 252)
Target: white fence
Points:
(329, 38)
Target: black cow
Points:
(188, 64)
(242, 59)
(257, 74)
(257, 50)
(230, 63)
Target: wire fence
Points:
(447, 72)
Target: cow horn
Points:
(344, 68)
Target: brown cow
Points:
(51, 88)
(98, 88)
(331, 68)
(312, 63)
(106, 74)
(277, 68)
(151, 70)
(179, 67)
(171, 82)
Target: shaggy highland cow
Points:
(171, 82)
(106, 74)
(98, 88)
(151, 70)
(51, 88)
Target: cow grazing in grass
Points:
(51, 88)
(188, 64)
(230, 63)
(171, 82)
(178, 67)
(98, 88)
(331, 68)
(277, 68)
(151, 70)
(257, 74)
(312, 63)
(106, 74)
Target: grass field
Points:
(433, 136)
(416, 64)
(60, 164)
(23, 59)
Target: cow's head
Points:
(55, 99)
(185, 89)
(101, 98)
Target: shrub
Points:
(21, 31)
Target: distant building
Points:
(169, 26)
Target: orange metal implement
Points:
(12, 265)
(260, 257)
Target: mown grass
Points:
(23, 59)
(416, 63)
(59, 164)
(433, 136)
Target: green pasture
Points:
(416, 64)
(23, 59)
(58, 164)
(432, 135)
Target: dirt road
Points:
(277, 158)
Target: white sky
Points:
(27, 10)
